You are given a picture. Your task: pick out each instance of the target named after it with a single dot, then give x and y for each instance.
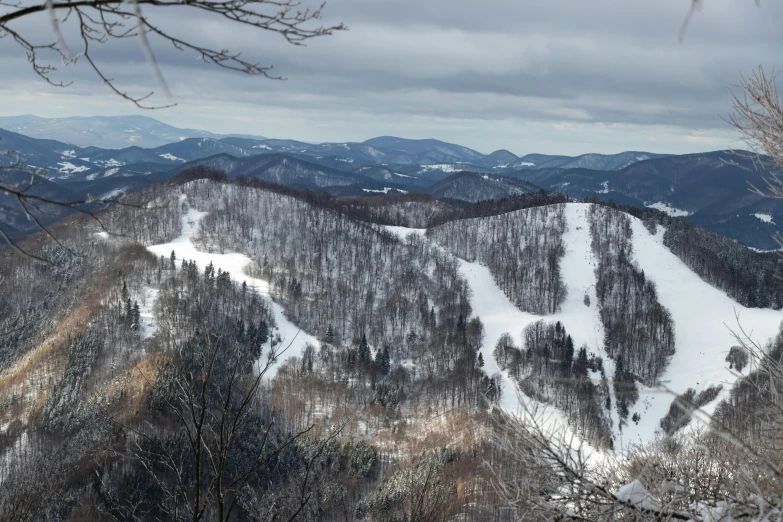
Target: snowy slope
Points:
(703, 319)
(499, 315)
(702, 315)
(293, 339)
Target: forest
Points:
(522, 249)
(639, 330)
(147, 387)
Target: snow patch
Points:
(636, 495)
(66, 167)
(385, 190)
(403, 232)
(766, 218)
(171, 157)
(665, 207)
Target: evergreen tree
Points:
(365, 357)
(329, 337)
(136, 322)
(173, 259)
(480, 360)
(383, 360)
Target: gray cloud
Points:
(557, 76)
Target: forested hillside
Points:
(211, 346)
(522, 250)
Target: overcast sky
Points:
(548, 76)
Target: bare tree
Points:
(99, 22)
(206, 466)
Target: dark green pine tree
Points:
(480, 360)
(383, 360)
(209, 274)
(329, 336)
(262, 334)
(128, 317)
(173, 259)
(136, 316)
(365, 357)
(580, 365)
(568, 353)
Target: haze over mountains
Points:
(112, 132)
(703, 188)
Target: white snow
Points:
(636, 495)
(293, 339)
(262, 146)
(113, 194)
(171, 157)
(111, 162)
(665, 207)
(445, 167)
(403, 232)
(68, 154)
(106, 173)
(499, 315)
(527, 164)
(66, 167)
(704, 318)
(605, 189)
(766, 218)
(385, 190)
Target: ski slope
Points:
(499, 315)
(702, 314)
(704, 318)
(293, 339)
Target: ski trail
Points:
(293, 338)
(704, 318)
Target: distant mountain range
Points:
(110, 132)
(703, 188)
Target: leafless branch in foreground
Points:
(101, 21)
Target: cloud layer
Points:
(561, 76)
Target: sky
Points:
(545, 76)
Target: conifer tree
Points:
(364, 352)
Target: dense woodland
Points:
(753, 279)
(132, 385)
(522, 249)
(551, 370)
(639, 330)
